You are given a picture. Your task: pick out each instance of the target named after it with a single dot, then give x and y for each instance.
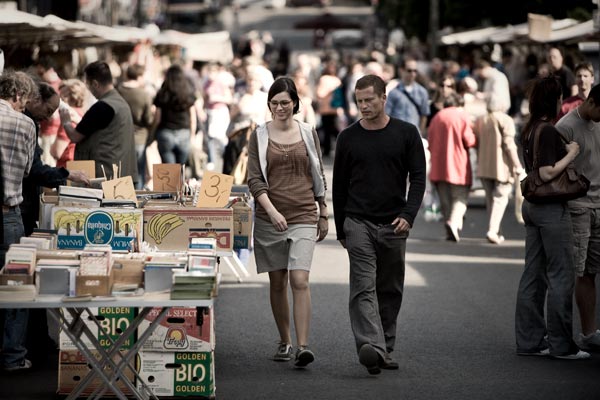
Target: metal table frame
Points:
(105, 367)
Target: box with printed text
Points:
(121, 228)
(173, 228)
(178, 374)
(188, 329)
(112, 320)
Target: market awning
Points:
(21, 28)
(503, 34)
(213, 46)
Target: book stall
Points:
(130, 279)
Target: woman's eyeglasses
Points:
(283, 103)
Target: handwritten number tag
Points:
(215, 190)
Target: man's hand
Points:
(79, 177)
(400, 225)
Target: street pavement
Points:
(455, 336)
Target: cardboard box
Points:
(47, 203)
(182, 329)
(173, 228)
(178, 374)
(78, 227)
(242, 225)
(73, 368)
(7, 279)
(53, 280)
(95, 285)
(113, 320)
(128, 270)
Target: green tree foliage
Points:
(413, 15)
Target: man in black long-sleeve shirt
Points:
(42, 175)
(373, 216)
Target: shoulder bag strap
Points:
(413, 101)
(536, 141)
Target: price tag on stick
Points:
(119, 189)
(166, 177)
(215, 190)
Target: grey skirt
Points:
(292, 249)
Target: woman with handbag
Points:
(548, 276)
(285, 177)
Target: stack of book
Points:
(16, 293)
(193, 285)
(159, 270)
(20, 259)
(79, 196)
(41, 239)
(96, 260)
(202, 255)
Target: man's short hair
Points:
(46, 62)
(98, 71)
(586, 66)
(134, 71)
(371, 81)
(595, 95)
(404, 60)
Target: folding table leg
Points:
(75, 337)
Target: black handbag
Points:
(568, 185)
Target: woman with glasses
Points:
(285, 176)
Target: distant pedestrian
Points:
(450, 136)
(373, 217)
(582, 126)
(105, 133)
(584, 79)
(285, 176)
(409, 100)
(135, 94)
(548, 279)
(497, 165)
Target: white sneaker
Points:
(452, 232)
(494, 238)
(591, 341)
(580, 355)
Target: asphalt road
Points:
(455, 332)
(455, 335)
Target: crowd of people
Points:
(402, 137)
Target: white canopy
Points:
(561, 30)
(23, 29)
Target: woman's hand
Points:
(572, 149)
(322, 228)
(278, 221)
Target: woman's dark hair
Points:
(46, 91)
(544, 94)
(177, 90)
(284, 84)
